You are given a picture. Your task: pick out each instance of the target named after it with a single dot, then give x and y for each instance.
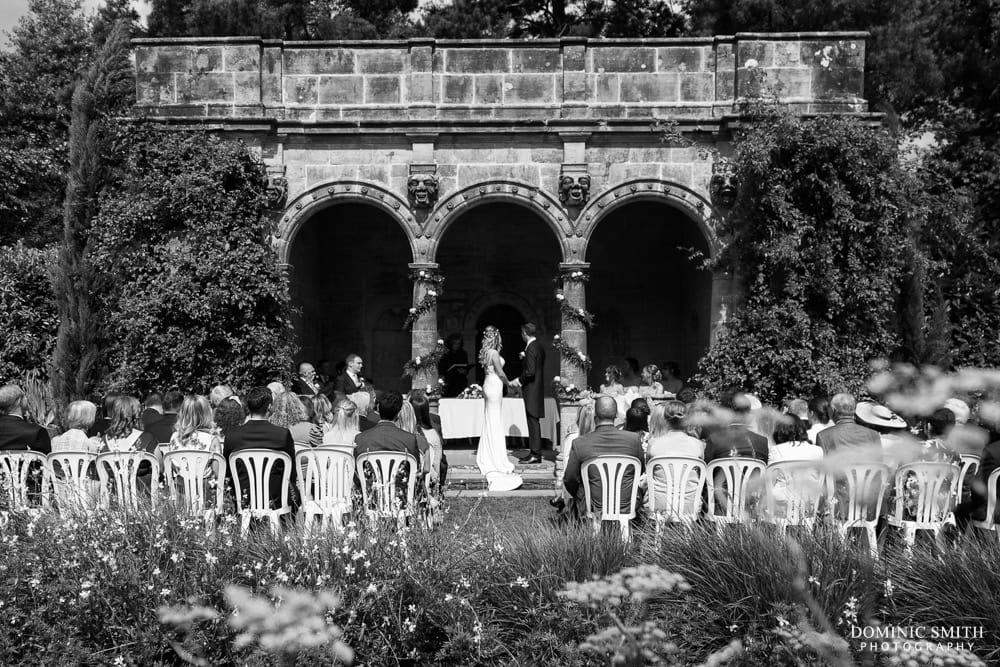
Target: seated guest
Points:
(344, 424)
(636, 421)
(847, 434)
(259, 433)
(584, 425)
(386, 436)
(430, 428)
(965, 438)
(612, 382)
(605, 439)
(322, 419)
(228, 414)
(79, 418)
(975, 506)
(124, 433)
(16, 433)
(650, 385)
(276, 388)
(288, 412)
(819, 417)
(351, 381)
(163, 428)
(407, 421)
(736, 439)
(933, 450)
(195, 428)
(104, 419)
(153, 410)
(792, 442)
(799, 408)
(306, 382)
(890, 427)
(672, 382)
(667, 437)
(366, 418)
(219, 393)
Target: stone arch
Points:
(323, 196)
(536, 200)
(484, 303)
(677, 196)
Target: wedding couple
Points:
(491, 456)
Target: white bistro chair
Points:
(792, 492)
(674, 488)
(933, 503)
(190, 475)
(18, 470)
(258, 464)
(989, 523)
(970, 466)
(119, 475)
(325, 485)
(379, 493)
(739, 478)
(612, 472)
(858, 494)
(74, 487)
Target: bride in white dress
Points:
(491, 457)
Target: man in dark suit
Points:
(847, 433)
(258, 433)
(385, 436)
(532, 390)
(152, 410)
(736, 439)
(163, 428)
(15, 432)
(605, 439)
(307, 383)
(350, 381)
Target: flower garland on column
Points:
(421, 363)
(433, 282)
(574, 356)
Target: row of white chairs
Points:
(325, 480)
(740, 489)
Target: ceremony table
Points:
(463, 418)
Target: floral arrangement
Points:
(574, 276)
(423, 362)
(568, 391)
(431, 390)
(472, 391)
(434, 282)
(581, 315)
(571, 354)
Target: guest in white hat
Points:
(892, 429)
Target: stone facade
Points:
(560, 128)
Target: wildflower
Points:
(814, 581)
(164, 591)
(371, 588)
(210, 559)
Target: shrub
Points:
(28, 316)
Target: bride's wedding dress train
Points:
(491, 457)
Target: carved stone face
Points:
(277, 191)
(574, 190)
(422, 190)
(725, 184)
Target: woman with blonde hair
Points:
(612, 382)
(343, 425)
(650, 384)
(79, 419)
(667, 437)
(288, 412)
(322, 419)
(407, 421)
(195, 426)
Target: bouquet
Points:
(472, 391)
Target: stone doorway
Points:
(508, 320)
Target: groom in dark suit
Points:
(533, 390)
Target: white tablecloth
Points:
(463, 418)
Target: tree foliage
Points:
(194, 294)
(27, 310)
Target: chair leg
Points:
(626, 530)
(909, 537)
(872, 542)
(245, 524)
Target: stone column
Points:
(424, 334)
(573, 333)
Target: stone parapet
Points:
(473, 81)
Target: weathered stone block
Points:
(472, 174)
(488, 89)
(372, 113)
(377, 173)
(381, 61)
(326, 173)
(421, 58)
(697, 87)
(577, 87)
(343, 89)
(382, 90)
(206, 59)
(725, 85)
(301, 89)
(271, 61)
(676, 173)
(725, 57)
(319, 61)
(681, 58)
(624, 59)
(456, 90)
(840, 53)
(663, 87)
(608, 87)
(535, 60)
(790, 82)
(786, 54)
(546, 155)
(162, 59)
(529, 89)
(833, 82)
(762, 53)
(209, 87)
(477, 61)
(155, 88)
(247, 88)
(421, 87)
(270, 89)
(574, 58)
(239, 58)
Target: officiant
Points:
(454, 367)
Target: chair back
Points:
(864, 483)
(71, 476)
(380, 498)
(803, 487)
(258, 465)
(680, 482)
(991, 500)
(193, 472)
(119, 475)
(933, 483)
(612, 471)
(970, 466)
(736, 474)
(328, 478)
(18, 469)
